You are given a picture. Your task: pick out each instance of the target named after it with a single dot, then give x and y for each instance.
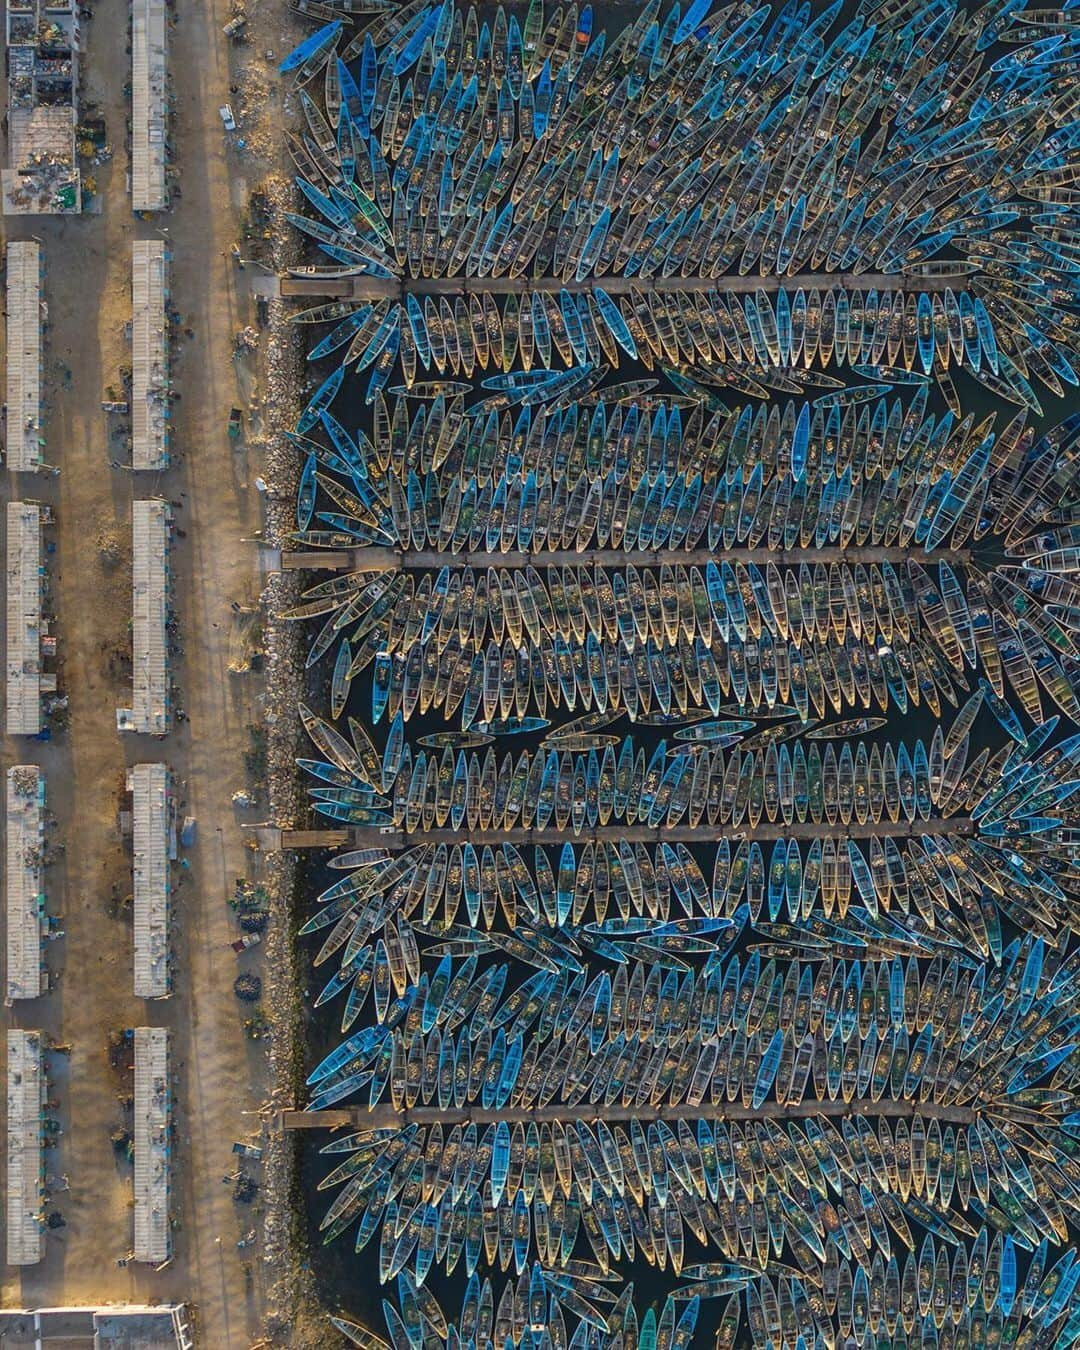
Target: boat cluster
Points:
(693, 1158)
(943, 1293)
(699, 677)
(636, 470)
(804, 492)
(702, 146)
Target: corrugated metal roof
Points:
(153, 1237)
(24, 441)
(151, 706)
(149, 69)
(24, 879)
(150, 809)
(23, 619)
(25, 1156)
(150, 355)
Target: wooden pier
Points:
(361, 288)
(272, 839)
(389, 1117)
(304, 839)
(373, 558)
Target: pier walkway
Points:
(372, 558)
(271, 838)
(388, 1116)
(361, 288)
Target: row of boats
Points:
(658, 938)
(753, 345)
(961, 1059)
(871, 331)
(755, 1187)
(746, 1220)
(608, 902)
(625, 641)
(741, 1029)
(867, 995)
(690, 781)
(592, 778)
(637, 474)
(632, 432)
(985, 1300)
(678, 636)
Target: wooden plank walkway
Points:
(378, 836)
(389, 1117)
(373, 558)
(362, 288)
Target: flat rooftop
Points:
(25, 1149)
(24, 439)
(149, 105)
(149, 355)
(24, 625)
(121, 1327)
(24, 887)
(149, 785)
(153, 1235)
(151, 708)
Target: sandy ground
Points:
(220, 1078)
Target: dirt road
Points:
(220, 1074)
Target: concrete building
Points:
(126, 1326)
(27, 631)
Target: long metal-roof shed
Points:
(150, 810)
(150, 355)
(24, 439)
(23, 619)
(115, 1326)
(26, 1095)
(149, 104)
(153, 1237)
(23, 880)
(151, 709)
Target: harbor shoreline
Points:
(294, 1314)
